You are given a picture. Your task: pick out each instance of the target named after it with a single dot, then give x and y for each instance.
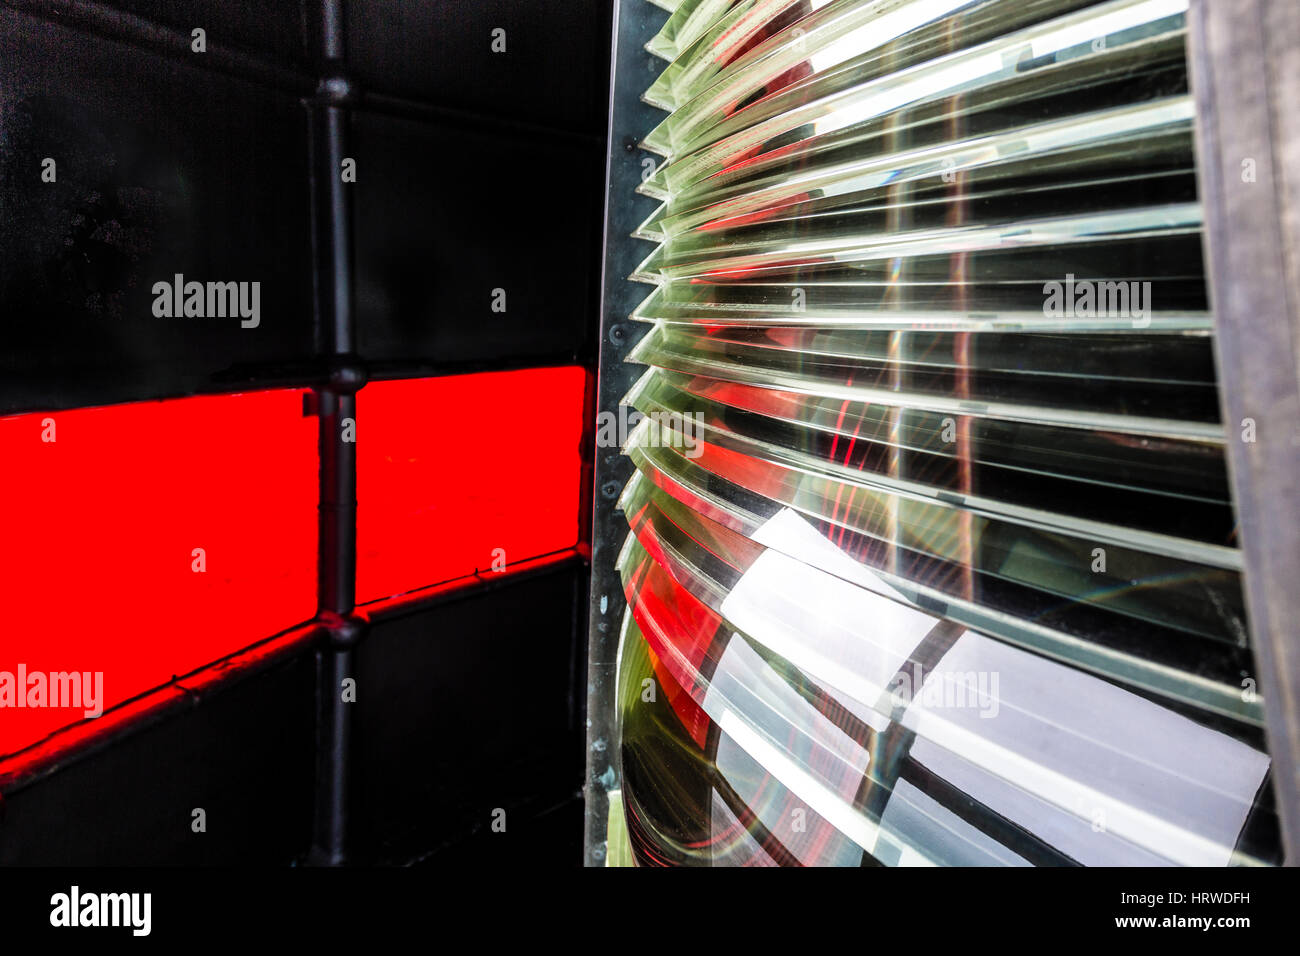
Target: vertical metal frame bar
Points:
(632, 69)
(336, 407)
(1244, 58)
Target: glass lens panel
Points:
(933, 558)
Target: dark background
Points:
(475, 171)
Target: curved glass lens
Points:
(932, 555)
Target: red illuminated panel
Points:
(99, 529)
(97, 563)
(451, 469)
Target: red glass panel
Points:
(97, 562)
(456, 472)
(100, 527)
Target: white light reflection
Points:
(1098, 772)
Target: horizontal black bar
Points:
(308, 375)
(465, 588)
(342, 909)
(110, 23)
(402, 107)
(388, 370)
(293, 375)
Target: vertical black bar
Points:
(337, 543)
(332, 29)
(336, 91)
(336, 559)
(333, 745)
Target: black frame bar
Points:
(336, 407)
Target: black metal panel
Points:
(444, 216)
(552, 839)
(243, 754)
(440, 52)
(162, 168)
(171, 162)
(462, 709)
(275, 28)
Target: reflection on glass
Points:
(932, 559)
